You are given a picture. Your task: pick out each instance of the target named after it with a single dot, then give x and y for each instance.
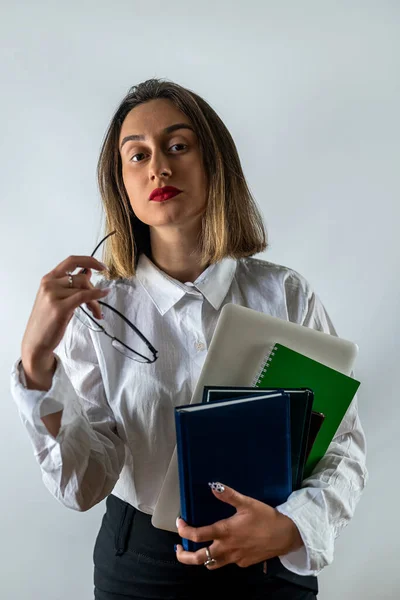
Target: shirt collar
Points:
(165, 291)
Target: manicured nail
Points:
(217, 487)
(177, 521)
(175, 547)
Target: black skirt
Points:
(135, 561)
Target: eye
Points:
(141, 153)
(184, 145)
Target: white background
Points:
(311, 93)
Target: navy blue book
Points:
(301, 401)
(244, 443)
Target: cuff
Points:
(35, 404)
(298, 561)
(303, 508)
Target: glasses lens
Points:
(144, 357)
(86, 320)
(131, 344)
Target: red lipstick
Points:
(164, 193)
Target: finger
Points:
(95, 309)
(74, 262)
(229, 495)
(202, 534)
(190, 558)
(81, 296)
(79, 281)
(61, 287)
(87, 272)
(200, 557)
(94, 306)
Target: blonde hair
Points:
(232, 224)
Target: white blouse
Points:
(118, 432)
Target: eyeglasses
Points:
(142, 350)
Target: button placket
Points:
(196, 325)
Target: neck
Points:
(176, 253)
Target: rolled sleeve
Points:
(81, 465)
(328, 497)
(327, 500)
(35, 404)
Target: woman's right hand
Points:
(54, 307)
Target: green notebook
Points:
(333, 391)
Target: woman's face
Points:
(177, 154)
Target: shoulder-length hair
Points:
(232, 224)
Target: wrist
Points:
(39, 371)
(37, 362)
(293, 538)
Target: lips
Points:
(164, 193)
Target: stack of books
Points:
(269, 399)
(262, 440)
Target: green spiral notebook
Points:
(333, 391)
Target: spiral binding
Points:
(266, 361)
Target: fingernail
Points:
(175, 547)
(177, 521)
(104, 266)
(217, 487)
(102, 315)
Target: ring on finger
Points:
(70, 279)
(210, 560)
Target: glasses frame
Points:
(129, 323)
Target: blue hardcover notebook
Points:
(244, 443)
(301, 401)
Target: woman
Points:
(101, 414)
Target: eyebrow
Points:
(169, 129)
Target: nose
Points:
(159, 165)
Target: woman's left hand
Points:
(256, 532)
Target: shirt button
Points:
(200, 346)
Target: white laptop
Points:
(241, 342)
